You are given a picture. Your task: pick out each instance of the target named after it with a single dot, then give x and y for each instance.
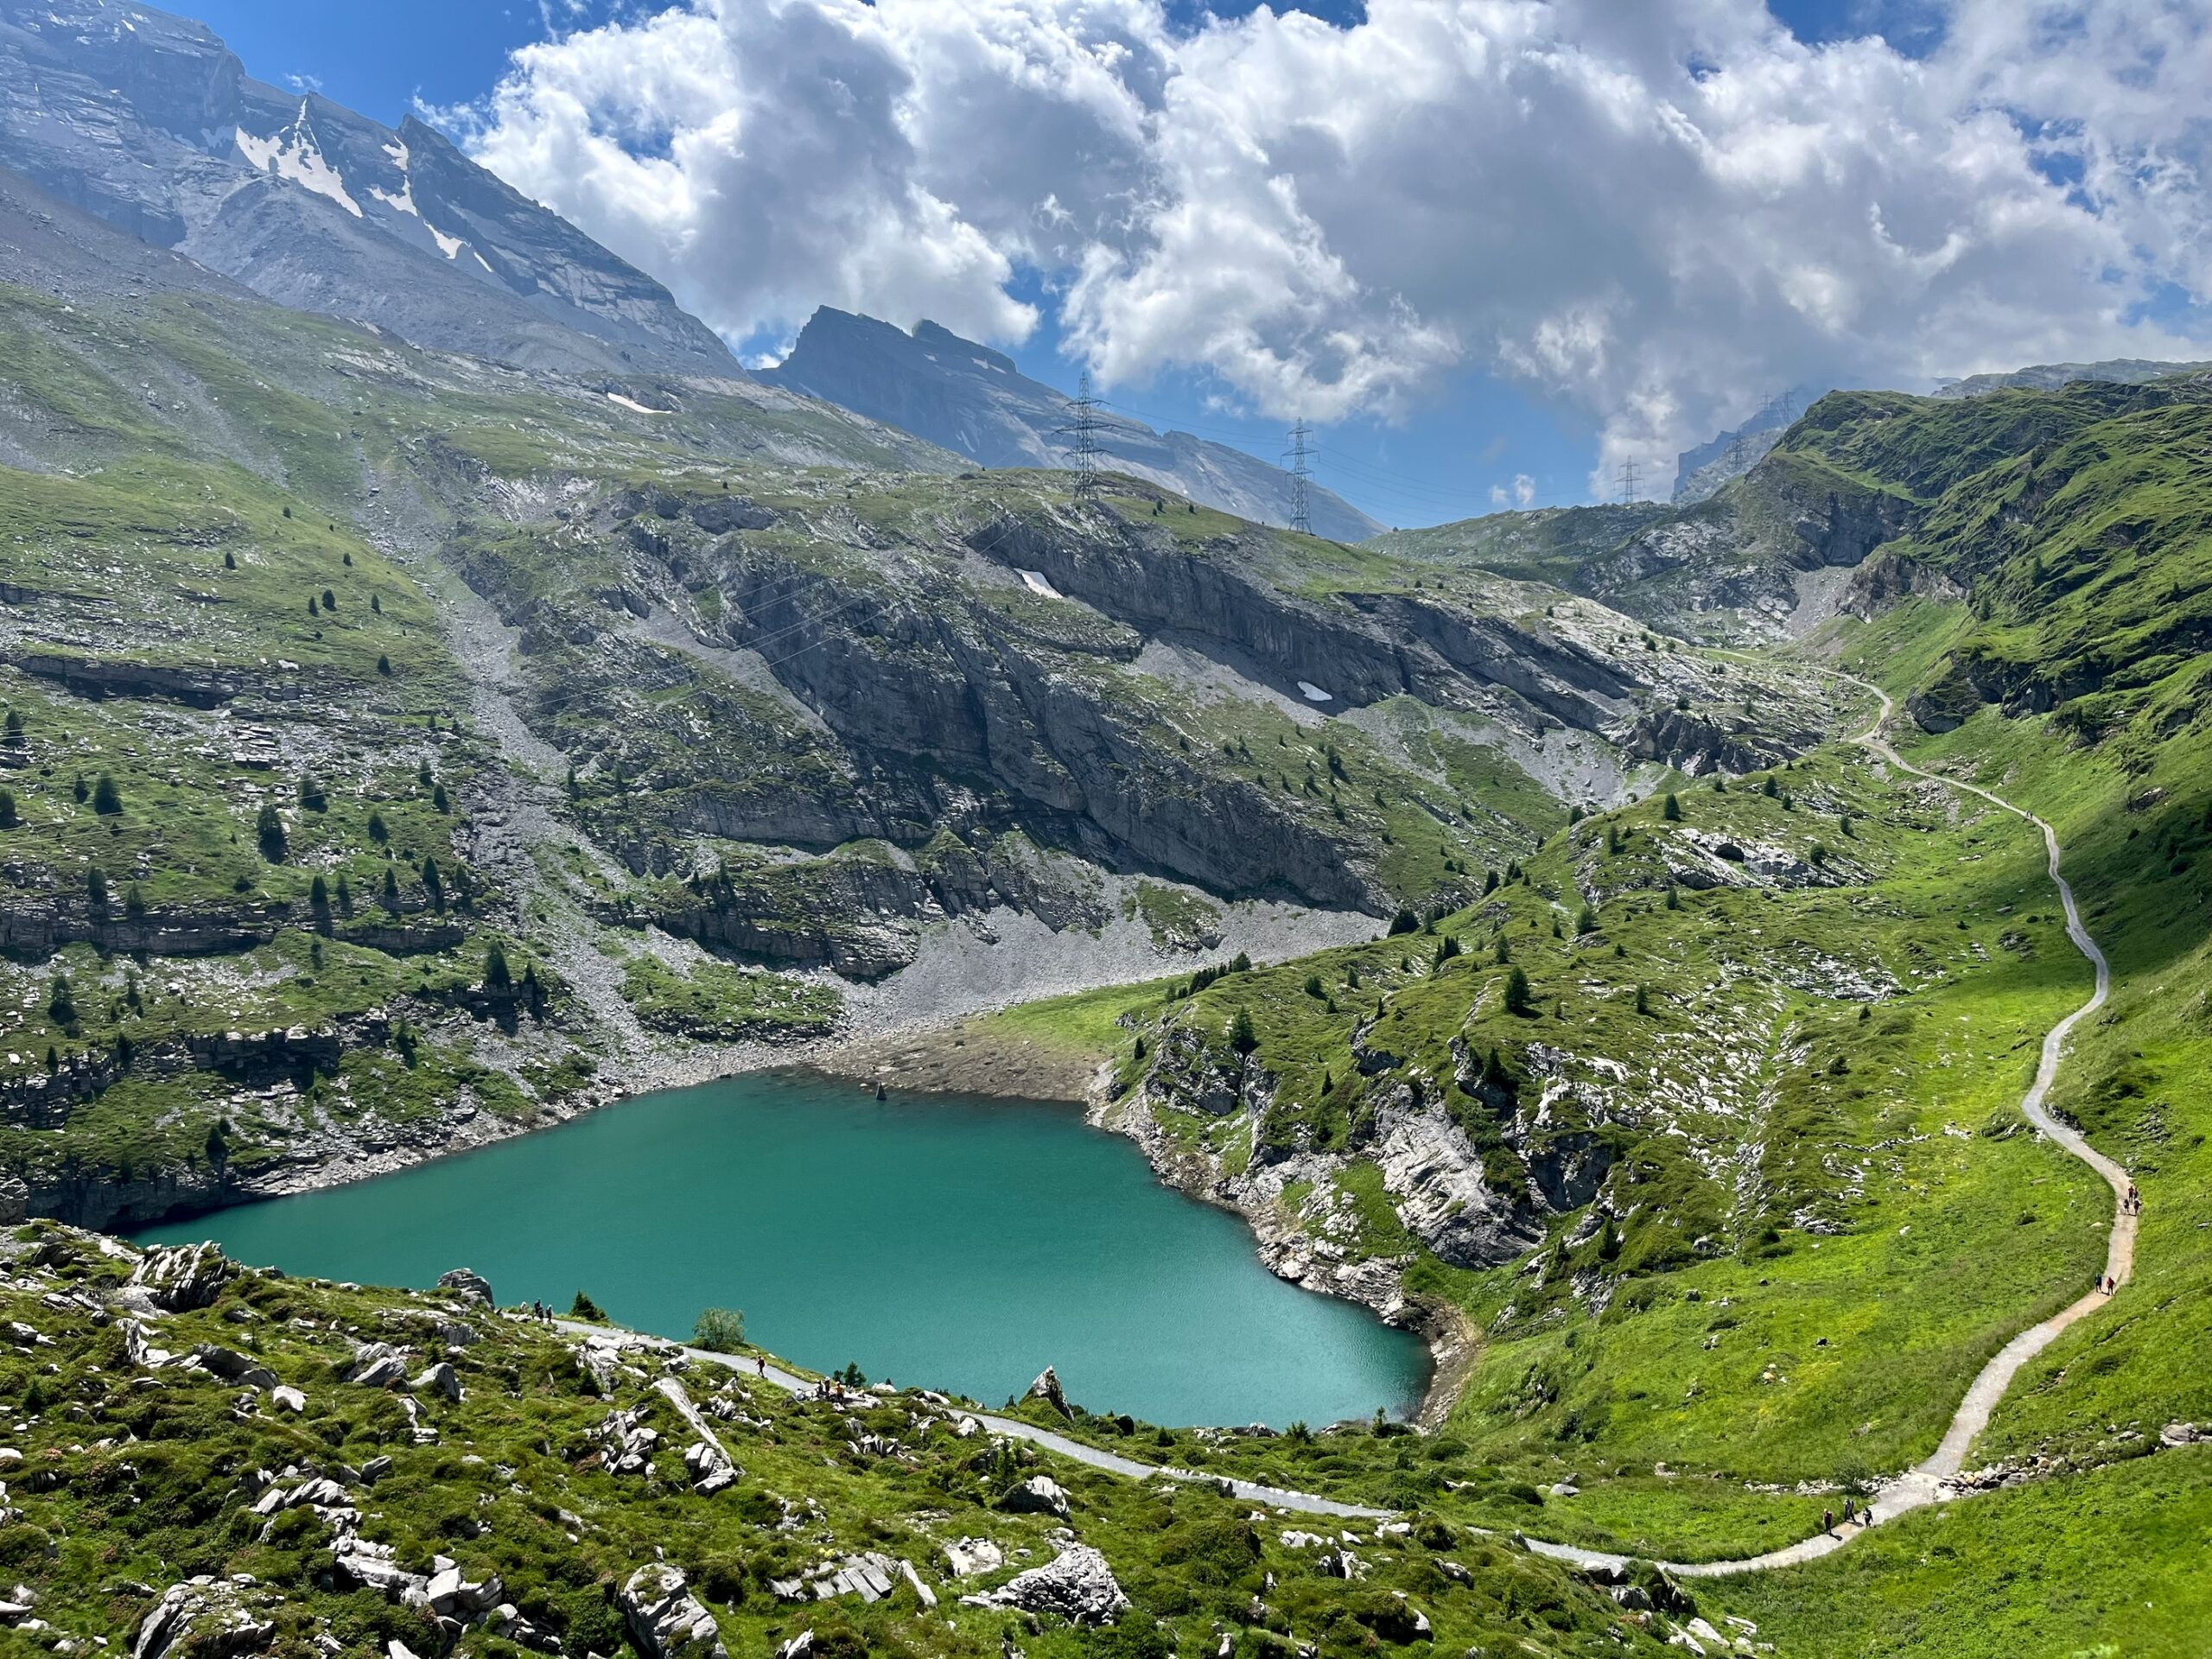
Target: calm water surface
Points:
(942, 1242)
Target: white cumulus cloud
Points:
(1656, 213)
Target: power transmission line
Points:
(1301, 513)
(1628, 481)
(1083, 434)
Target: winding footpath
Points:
(1924, 1484)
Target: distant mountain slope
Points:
(148, 121)
(1701, 471)
(2049, 376)
(973, 401)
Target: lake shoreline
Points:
(945, 1239)
(945, 1055)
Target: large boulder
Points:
(376, 1365)
(1077, 1585)
(469, 1283)
(1039, 1495)
(181, 1277)
(665, 1620)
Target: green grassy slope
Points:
(127, 1477)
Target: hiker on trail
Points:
(1848, 1507)
(760, 1363)
(1827, 1520)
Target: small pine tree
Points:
(1843, 826)
(1586, 920)
(1313, 987)
(312, 795)
(1405, 921)
(8, 819)
(330, 600)
(61, 1002)
(107, 799)
(346, 558)
(383, 663)
(345, 895)
(584, 1308)
(391, 885)
(1501, 953)
(379, 832)
(134, 902)
(1720, 787)
(1490, 882)
(433, 884)
(269, 830)
(376, 604)
(1673, 899)
(96, 887)
(1242, 1037)
(1612, 840)
(1574, 814)
(496, 976)
(1517, 992)
(319, 895)
(1671, 809)
(438, 797)
(313, 607)
(230, 561)
(1642, 1000)
(15, 726)
(1769, 788)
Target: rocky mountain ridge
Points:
(973, 401)
(149, 121)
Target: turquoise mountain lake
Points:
(943, 1241)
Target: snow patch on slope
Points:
(293, 154)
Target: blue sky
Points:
(1465, 440)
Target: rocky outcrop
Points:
(1440, 1190)
(1078, 1585)
(665, 1620)
(469, 1284)
(207, 1619)
(1047, 1388)
(178, 1278)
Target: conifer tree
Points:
(1517, 992)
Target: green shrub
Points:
(719, 1329)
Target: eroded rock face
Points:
(665, 1620)
(181, 1277)
(1435, 1179)
(1078, 1585)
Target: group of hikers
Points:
(2133, 1203)
(1853, 1515)
(542, 1313)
